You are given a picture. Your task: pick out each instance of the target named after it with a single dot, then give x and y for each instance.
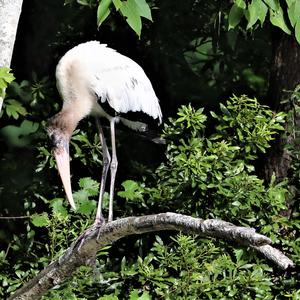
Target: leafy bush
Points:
(214, 176)
(208, 173)
(190, 268)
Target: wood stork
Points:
(90, 76)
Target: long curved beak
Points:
(63, 164)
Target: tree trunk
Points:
(10, 11)
(284, 78)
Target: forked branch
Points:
(84, 249)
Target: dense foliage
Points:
(209, 167)
(206, 175)
(282, 14)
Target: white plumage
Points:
(87, 76)
(109, 76)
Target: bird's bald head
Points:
(58, 138)
(59, 134)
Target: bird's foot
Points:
(99, 222)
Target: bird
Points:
(96, 80)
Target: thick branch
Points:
(275, 255)
(84, 249)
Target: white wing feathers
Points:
(119, 80)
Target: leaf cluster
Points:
(189, 268)
(214, 176)
(256, 11)
(5, 79)
(131, 10)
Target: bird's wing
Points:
(123, 84)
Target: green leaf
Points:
(86, 206)
(80, 195)
(252, 13)
(224, 109)
(6, 75)
(58, 208)
(240, 3)
(103, 11)
(89, 185)
(132, 190)
(297, 31)
(19, 136)
(277, 19)
(214, 115)
(14, 108)
(273, 4)
(5, 79)
(235, 15)
(238, 253)
(143, 9)
(262, 11)
(134, 295)
(40, 220)
(294, 13)
(290, 2)
(117, 4)
(131, 12)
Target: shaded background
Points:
(187, 53)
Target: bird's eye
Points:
(52, 140)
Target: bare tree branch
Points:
(275, 255)
(84, 249)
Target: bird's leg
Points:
(113, 168)
(106, 163)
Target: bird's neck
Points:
(67, 121)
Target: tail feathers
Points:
(135, 125)
(153, 136)
(144, 131)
